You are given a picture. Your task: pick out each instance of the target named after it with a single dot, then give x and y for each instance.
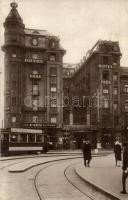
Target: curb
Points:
(34, 165)
(99, 188)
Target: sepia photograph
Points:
(64, 99)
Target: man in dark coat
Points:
(117, 151)
(125, 168)
(86, 152)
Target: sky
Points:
(78, 23)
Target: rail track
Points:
(86, 193)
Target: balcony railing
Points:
(25, 108)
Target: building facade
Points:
(95, 86)
(33, 77)
(67, 101)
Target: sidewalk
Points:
(104, 175)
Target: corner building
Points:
(33, 77)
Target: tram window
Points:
(31, 138)
(23, 137)
(39, 138)
(6, 137)
(14, 138)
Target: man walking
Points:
(86, 152)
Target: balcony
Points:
(35, 76)
(30, 109)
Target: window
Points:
(53, 80)
(35, 119)
(53, 119)
(35, 89)
(126, 105)
(13, 55)
(105, 103)
(31, 138)
(23, 137)
(35, 56)
(34, 72)
(105, 90)
(13, 101)
(105, 75)
(53, 89)
(38, 138)
(53, 102)
(35, 104)
(115, 77)
(14, 138)
(115, 60)
(115, 106)
(13, 119)
(53, 71)
(13, 85)
(52, 57)
(126, 88)
(53, 95)
(14, 38)
(105, 60)
(115, 91)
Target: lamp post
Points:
(98, 118)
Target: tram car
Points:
(18, 141)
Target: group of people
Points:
(86, 148)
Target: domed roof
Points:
(14, 15)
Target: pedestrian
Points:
(125, 168)
(117, 151)
(86, 147)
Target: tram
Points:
(17, 141)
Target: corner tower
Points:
(13, 48)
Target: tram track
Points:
(86, 194)
(19, 158)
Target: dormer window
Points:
(53, 44)
(35, 42)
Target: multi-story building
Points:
(33, 77)
(67, 101)
(124, 101)
(96, 85)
